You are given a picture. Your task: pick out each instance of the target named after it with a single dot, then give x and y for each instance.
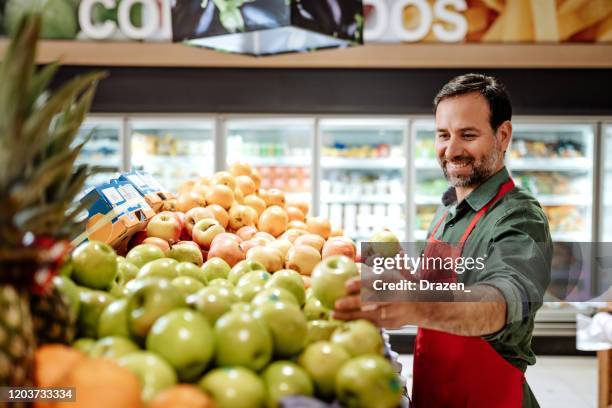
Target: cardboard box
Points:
(117, 212)
(153, 192)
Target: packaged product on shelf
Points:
(117, 212)
(153, 192)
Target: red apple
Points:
(269, 257)
(220, 214)
(225, 236)
(247, 232)
(319, 226)
(313, 240)
(158, 242)
(338, 247)
(194, 215)
(292, 234)
(240, 216)
(246, 245)
(228, 250)
(205, 230)
(273, 220)
(302, 258)
(165, 225)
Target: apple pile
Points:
(232, 292)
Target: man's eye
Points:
(442, 136)
(469, 135)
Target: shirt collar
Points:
(482, 194)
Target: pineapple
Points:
(38, 185)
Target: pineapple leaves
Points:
(38, 126)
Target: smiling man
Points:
(473, 351)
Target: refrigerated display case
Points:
(280, 149)
(363, 183)
(104, 149)
(172, 150)
(554, 161)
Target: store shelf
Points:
(362, 199)
(350, 163)
(393, 56)
(550, 164)
(284, 161)
(427, 164)
(556, 200)
(574, 236)
(428, 200)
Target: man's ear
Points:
(504, 134)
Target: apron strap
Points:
(505, 188)
(433, 232)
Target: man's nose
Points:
(454, 147)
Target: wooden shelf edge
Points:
(371, 56)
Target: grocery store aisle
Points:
(557, 382)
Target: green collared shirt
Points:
(514, 238)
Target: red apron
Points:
(460, 371)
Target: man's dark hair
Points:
(489, 87)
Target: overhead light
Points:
(267, 27)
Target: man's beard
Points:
(481, 170)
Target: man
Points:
(473, 352)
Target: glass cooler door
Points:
(555, 162)
(430, 183)
(104, 149)
(280, 149)
(172, 150)
(363, 186)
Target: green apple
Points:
(153, 299)
(322, 361)
(70, 291)
(133, 285)
(186, 251)
(126, 271)
(368, 381)
(221, 283)
(321, 330)
(283, 379)
(187, 285)
(212, 302)
(234, 387)
(114, 320)
(183, 338)
(84, 344)
(359, 337)
(242, 307)
(384, 243)
(244, 267)
(95, 265)
(287, 325)
(93, 303)
(154, 373)
(216, 268)
(314, 310)
(274, 295)
(118, 291)
(142, 254)
(66, 268)
(163, 268)
(329, 277)
(251, 284)
(113, 347)
(290, 280)
(242, 340)
(191, 270)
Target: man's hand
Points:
(387, 315)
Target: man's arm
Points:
(477, 313)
